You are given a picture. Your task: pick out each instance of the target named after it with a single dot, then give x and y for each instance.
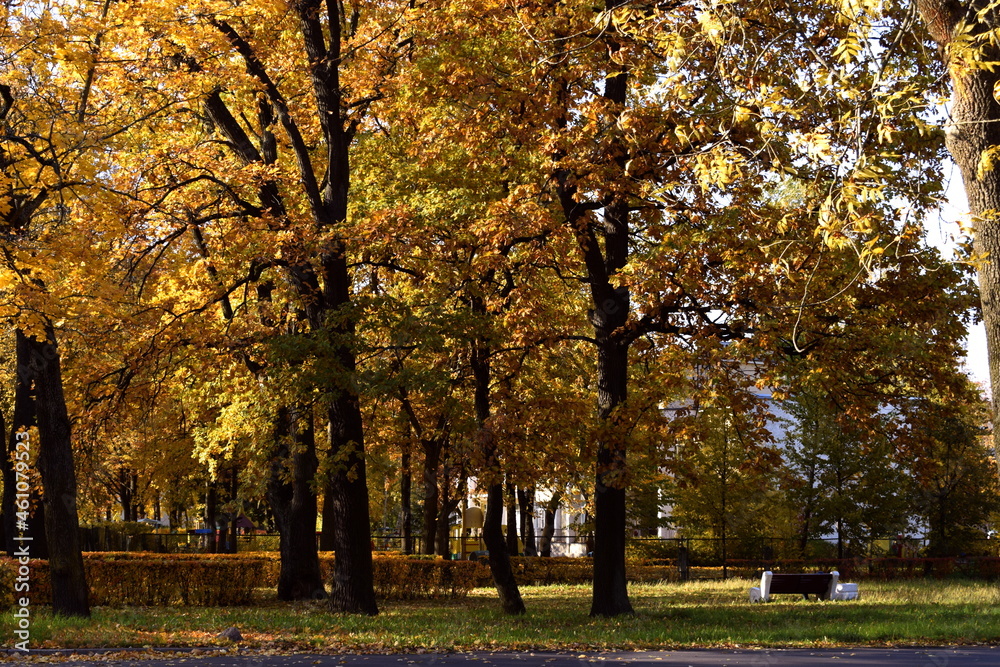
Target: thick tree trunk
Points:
(610, 586)
(974, 129)
(293, 502)
(432, 456)
(353, 585)
(499, 558)
(24, 418)
(126, 487)
(326, 533)
(55, 463)
(549, 527)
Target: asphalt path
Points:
(903, 657)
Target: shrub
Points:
(404, 578)
(144, 579)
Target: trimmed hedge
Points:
(404, 578)
(147, 579)
(121, 579)
(569, 570)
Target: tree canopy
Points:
(281, 242)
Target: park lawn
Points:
(668, 615)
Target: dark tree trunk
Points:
(353, 585)
(610, 585)
(807, 511)
(499, 557)
(293, 502)
(444, 527)
(609, 316)
(526, 501)
(405, 481)
(125, 488)
(549, 527)
(234, 496)
(432, 458)
(7, 517)
(211, 507)
(513, 544)
(24, 418)
(326, 533)
(974, 129)
(55, 463)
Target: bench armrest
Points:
(834, 576)
(765, 586)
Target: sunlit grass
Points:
(712, 613)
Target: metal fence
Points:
(698, 551)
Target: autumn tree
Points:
(49, 157)
(965, 33)
(846, 478)
(954, 482)
(290, 176)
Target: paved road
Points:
(926, 657)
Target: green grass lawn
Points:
(696, 614)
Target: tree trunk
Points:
(326, 534)
(499, 558)
(55, 463)
(526, 502)
(610, 597)
(353, 587)
(24, 417)
(405, 481)
(974, 129)
(234, 496)
(211, 506)
(444, 527)
(126, 487)
(293, 502)
(7, 518)
(513, 544)
(432, 455)
(549, 527)
(324, 297)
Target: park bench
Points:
(821, 584)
